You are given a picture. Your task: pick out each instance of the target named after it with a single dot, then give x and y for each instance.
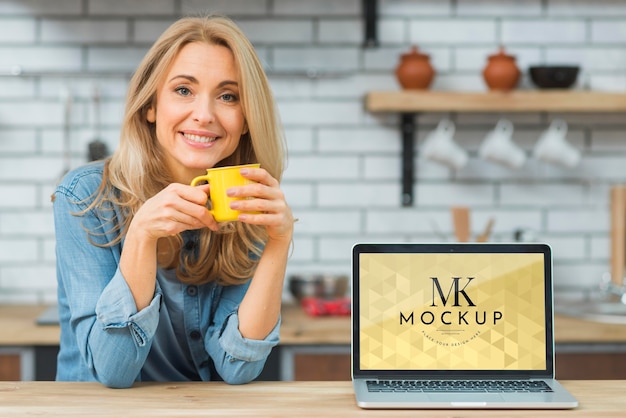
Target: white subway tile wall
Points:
(344, 168)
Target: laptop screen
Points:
(453, 307)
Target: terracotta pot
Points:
(415, 70)
(501, 72)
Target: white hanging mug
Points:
(439, 146)
(553, 147)
(499, 147)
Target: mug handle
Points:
(198, 179)
(504, 126)
(207, 178)
(558, 126)
(446, 126)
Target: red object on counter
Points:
(319, 307)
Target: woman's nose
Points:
(204, 111)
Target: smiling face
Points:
(198, 114)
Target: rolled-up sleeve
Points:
(237, 359)
(237, 347)
(121, 336)
(116, 309)
(103, 337)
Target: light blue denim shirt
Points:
(103, 336)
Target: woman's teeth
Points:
(198, 138)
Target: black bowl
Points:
(554, 76)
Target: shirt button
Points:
(195, 335)
(192, 290)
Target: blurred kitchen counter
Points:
(314, 348)
(19, 328)
(299, 328)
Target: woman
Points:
(150, 287)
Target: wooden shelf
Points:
(515, 101)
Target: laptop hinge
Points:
(456, 377)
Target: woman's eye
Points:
(183, 91)
(227, 97)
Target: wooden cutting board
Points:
(618, 234)
(461, 222)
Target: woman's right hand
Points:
(174, 209)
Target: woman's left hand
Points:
(268, 201)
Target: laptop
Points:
(454, 326)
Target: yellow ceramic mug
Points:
(221, 179)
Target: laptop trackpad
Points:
(470, 398)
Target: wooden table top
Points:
(258, 399)
(17, 323)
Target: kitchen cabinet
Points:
(590, 366)
(27, 351)
(314, 348)
(315, 363)
(601, 365)
(409, 103)
(10, 366)
(17, 363)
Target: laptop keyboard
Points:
(450, 386)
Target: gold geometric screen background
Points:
(452, 312)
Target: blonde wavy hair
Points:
(134, 173)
